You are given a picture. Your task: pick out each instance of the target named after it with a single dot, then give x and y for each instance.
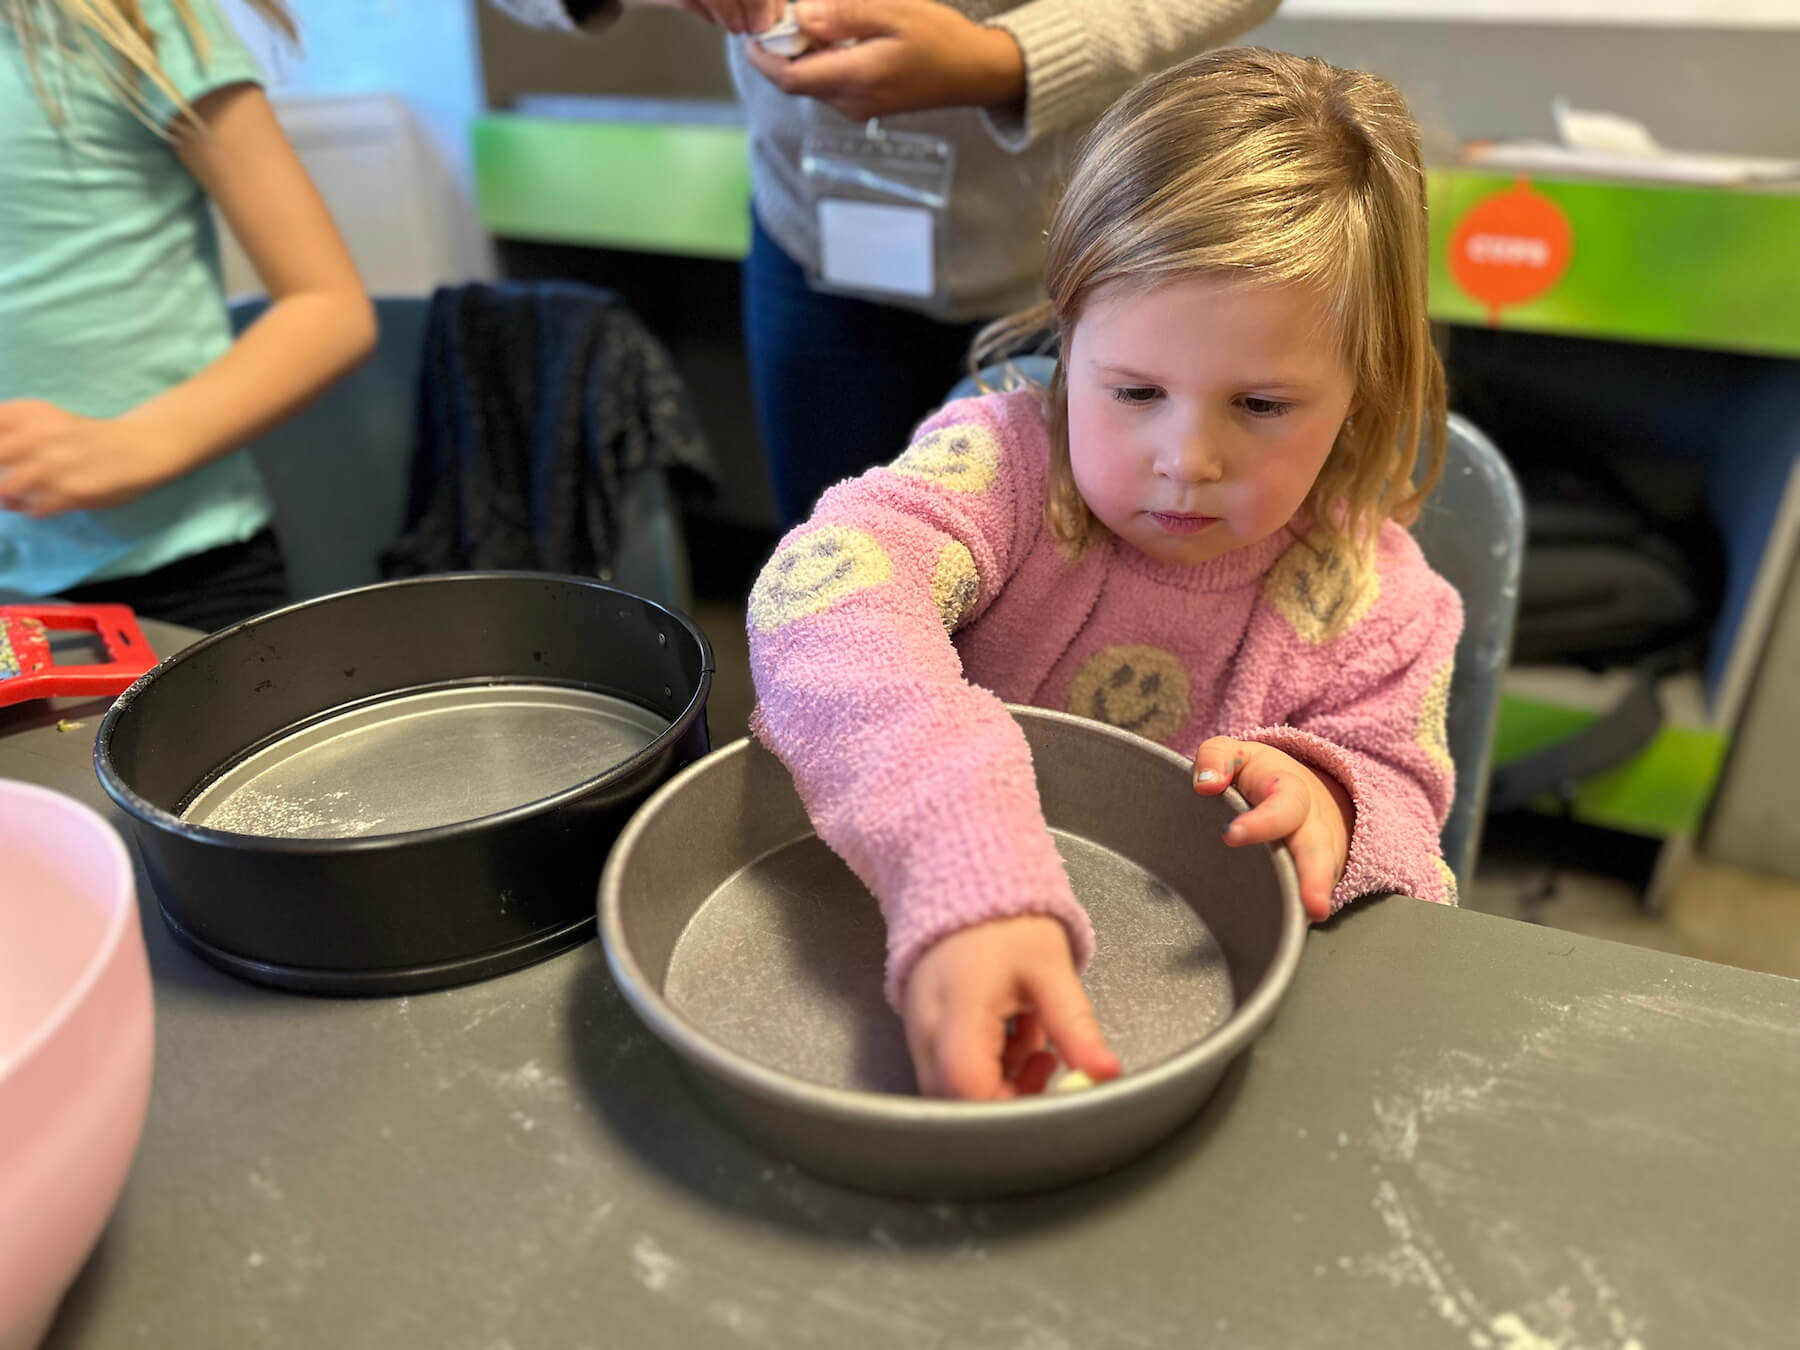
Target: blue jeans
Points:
(839, 383)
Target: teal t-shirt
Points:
(110, 291)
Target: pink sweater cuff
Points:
(1033, 883)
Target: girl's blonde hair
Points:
(122, 44)
(1274, 169)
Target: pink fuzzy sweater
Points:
(888, 630)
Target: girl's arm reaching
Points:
(921, 781)
(318, 326)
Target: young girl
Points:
(1195, 534)
(122, 395)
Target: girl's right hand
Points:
(53, 461)
(983, 1005)
(734, 16)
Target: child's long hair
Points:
(1270, 168)
(114, 35)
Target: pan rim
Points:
(148, 813)
(859, 1108)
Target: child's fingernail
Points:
(1206, 776)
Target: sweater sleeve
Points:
(1080, 54)
(919, 780)
(1378, 665)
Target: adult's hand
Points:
(906, 56)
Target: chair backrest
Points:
(1014, 373)
(338, 474)
(1472, 532)
(337, 471)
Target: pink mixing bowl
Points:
(76, 1039)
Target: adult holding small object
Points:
(901, 168)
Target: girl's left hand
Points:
(1290, 802)
(906, 56)
(53, 461)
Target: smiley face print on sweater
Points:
(1138, 689)
(1321, 589)
(1433, 729)
(1448, 878)
(815, 572)
(960, 458)
(955, 585)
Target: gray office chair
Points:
(1472, 532)
(337, 474)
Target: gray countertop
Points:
(1460, 1131)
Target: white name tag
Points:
(872, 247)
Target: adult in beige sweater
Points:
(841, 382)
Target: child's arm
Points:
(921, 781)
(1359, 780)
(319, 324)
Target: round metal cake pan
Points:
(756, 955)
(403, 786)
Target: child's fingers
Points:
(1025, 1040)
(1280, 810)
(1036, 1074)
(1315, 896)
(25, 491)
(921, 1043)
(41, 506)
(1217, 763)
(1316, 884)
(1317, 868)
(968, 1051)
(958, 1048)
(1069, 1019)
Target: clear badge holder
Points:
(883, 200)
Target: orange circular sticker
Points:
(1510, 248)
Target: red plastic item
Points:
(27, 670)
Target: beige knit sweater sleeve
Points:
(1079, 54)
(1082, 54)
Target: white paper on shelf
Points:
(1607, 145)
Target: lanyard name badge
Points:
(883, 201)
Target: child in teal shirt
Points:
(123, 398)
